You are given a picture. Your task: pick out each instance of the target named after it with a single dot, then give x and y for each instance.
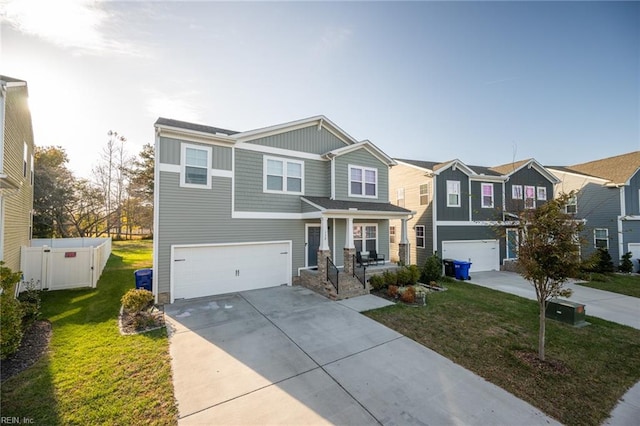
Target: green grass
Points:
(485, 330)
(92, 374)
(616, 283)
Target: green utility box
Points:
(567, 312)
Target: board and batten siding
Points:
(411, 178)
(309, 140)
(17, 207)
(452, 213)
(494, 213)
(170, 150)
(362, 158)
(249, 175)
(529, 177)
(203, 216)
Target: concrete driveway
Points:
(287, 355)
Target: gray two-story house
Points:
(243, 210)
(608, 200)
(16, 170)
(466, 212)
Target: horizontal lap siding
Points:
(309, 139)
(170, 150)
(600, 206)
(632, 196)
(360, 158)
(410, 179)
(17, 207)
(249, 195)
(193, 216)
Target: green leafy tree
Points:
(548, 254)
(53, 189)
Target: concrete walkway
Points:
(613, 307)
(287, 355)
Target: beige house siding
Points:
(17, 205)
(410, 178)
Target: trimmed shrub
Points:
(626, 265)
(376, 282)
(408, 295)
(137, 300)
(10, 313)
(414, 274)
(404, 276)
(432, 269)
(392, 291)
(600, 261)
(390, 278)
(30, 302)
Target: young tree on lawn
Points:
(548, 253)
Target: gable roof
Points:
(366, 144)
(618, 169)
(169, 122)
(319, 120)
(511, 168)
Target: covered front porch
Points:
(360, 229)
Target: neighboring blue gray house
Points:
(466, 212)
(243, 210)
(608, 199)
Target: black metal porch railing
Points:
(333, 274)
(360, 272)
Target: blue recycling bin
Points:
(462, 269)
(144, 278)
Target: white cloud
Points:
(82, 25)
(183, 106)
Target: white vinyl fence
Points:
(63, 263)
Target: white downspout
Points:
(156, 211)
(434, 213)
(333, 178)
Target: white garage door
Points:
(204, 270)
(484, 254)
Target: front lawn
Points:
(494, 334)
(92, 374)
(616, 283)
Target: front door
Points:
(313, 243)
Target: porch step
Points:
(348, 285)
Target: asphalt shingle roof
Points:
(192, 126)
(330, 204)
(11, 79)
(618, 169)
(435, 165)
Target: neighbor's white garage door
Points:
(204, 270)
(484, 254)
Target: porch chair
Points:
(359, 259)
(375, 257)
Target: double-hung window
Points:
(283, 175)
(487, 195)
(424, 194)
(24, 161)
(529, 197)
(392, 234)
(516, 192)
(365, 237)
(542, 193)
(196, 165)
(572, 205)
(601, 238)
(363, 182)
(453, 193)
(420, 236)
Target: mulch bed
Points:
(35, 343)
(547, 366)
(128, 324)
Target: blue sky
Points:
(485, 82)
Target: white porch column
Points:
(403, 247)
(349, 236)
(404, 232)
(324, 234)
